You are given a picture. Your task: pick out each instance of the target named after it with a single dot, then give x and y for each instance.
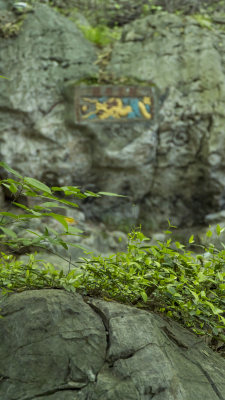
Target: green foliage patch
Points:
(17, 276)
(204, 20)
(101, 35)
(166, 278)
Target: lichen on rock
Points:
(10, 24)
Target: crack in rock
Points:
(4, 378)
(208, 377)
(104, 321)
(211, 382)
(68, 386)
(126, 356)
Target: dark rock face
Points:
(62, 346)
(53, 345)
(171, 168)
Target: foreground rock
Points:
(56, 346)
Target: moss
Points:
(203, 20)
(10, 24)
(110, 80)
(100, 35)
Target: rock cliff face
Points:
(172, 167)
(185, 63)
(58, 346)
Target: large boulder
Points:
(184, 60)
(58, 346)
(171, 167)
(48, 51)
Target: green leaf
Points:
(20, 205)
(70, 191)
(62, 243)
(219, 230)
(144, 296)
(223, 320)
(9, 169)
(220, 276)
(47, 229)
(9, 214)
(13, 188)
(37, 184)
(59, 218)
(61, 274)
(88, 193)
(79, 247)
(179, 245)
(191, 239)
(30, 193)
(170, 225)
(69, 203)
(111, 194)
(214, 309)
(28, 209)
(4, 77)
(72, 230)
(8, 232)
(209, 234)
(34, 233)
(222, 286)
(195, 295)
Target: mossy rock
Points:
(10, 24)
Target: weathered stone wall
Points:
(186, 64)
(172, 167)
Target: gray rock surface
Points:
(55, 345)
(49, 51)
(185, 62)
(170, 168)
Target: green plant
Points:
(44, 200)
(16, 276)
(101, 35)
(204, 20)
(166, 278)
(149, 7)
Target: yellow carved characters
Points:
(116, 108)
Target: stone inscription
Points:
(113, 103)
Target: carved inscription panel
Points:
(113, 103)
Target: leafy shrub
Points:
(17, 276)
(166, 277)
